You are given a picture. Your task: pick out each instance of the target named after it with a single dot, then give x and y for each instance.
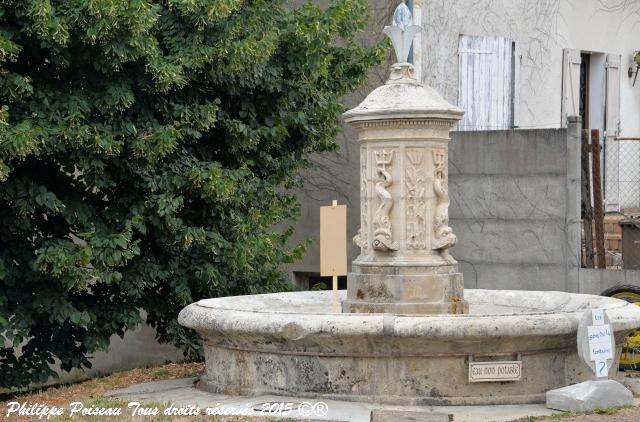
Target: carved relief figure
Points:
(382, 235)
(416, 201)
(443, 234)
(360, 239)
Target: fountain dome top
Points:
(403, 99)
(403, 96)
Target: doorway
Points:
(584, 90)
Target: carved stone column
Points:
(403, 131)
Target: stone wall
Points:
(509, 208)
(595, 281)
(514, 207)
(137, 349)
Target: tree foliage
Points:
(147, 149)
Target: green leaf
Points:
(149, 151)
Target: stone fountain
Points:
(407, 332)
(404, 266)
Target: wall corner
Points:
(573, 244)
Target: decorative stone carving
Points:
(357, 239)
(382, 235)
(361, 238)
(416, 201)
(443, 234)
(401, 72)
(404, 266)
(402, 32)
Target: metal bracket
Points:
(631, 72)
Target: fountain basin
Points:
(292, 344)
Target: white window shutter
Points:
(612, 107)
(486, 82)
(516, 84)
(570, 84)
(612, 129)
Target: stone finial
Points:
(401, 32)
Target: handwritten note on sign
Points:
(596, 342)
(333, 240)
(600, 345)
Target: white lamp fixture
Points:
(631, 72)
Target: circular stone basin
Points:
(292, 344)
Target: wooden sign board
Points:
(333, 240)
(495, 371)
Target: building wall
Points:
(514, 207)
(510, 206)
(594, 281)
(137, 349)
(542, 29)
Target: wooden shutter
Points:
(612, 106)
(570, 84)
(516, 84)
(486, 82)
(612, 129)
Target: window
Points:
(488, 80)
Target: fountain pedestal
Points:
(405, 290)
(404, 238)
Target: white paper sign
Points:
(600, 347)
(597, 316)
(600, 351)
(599, 333)
(596, 343)
(602, 368)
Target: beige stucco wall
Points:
(542, 29)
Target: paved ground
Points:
(182, 393)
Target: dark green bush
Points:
(147, 149)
